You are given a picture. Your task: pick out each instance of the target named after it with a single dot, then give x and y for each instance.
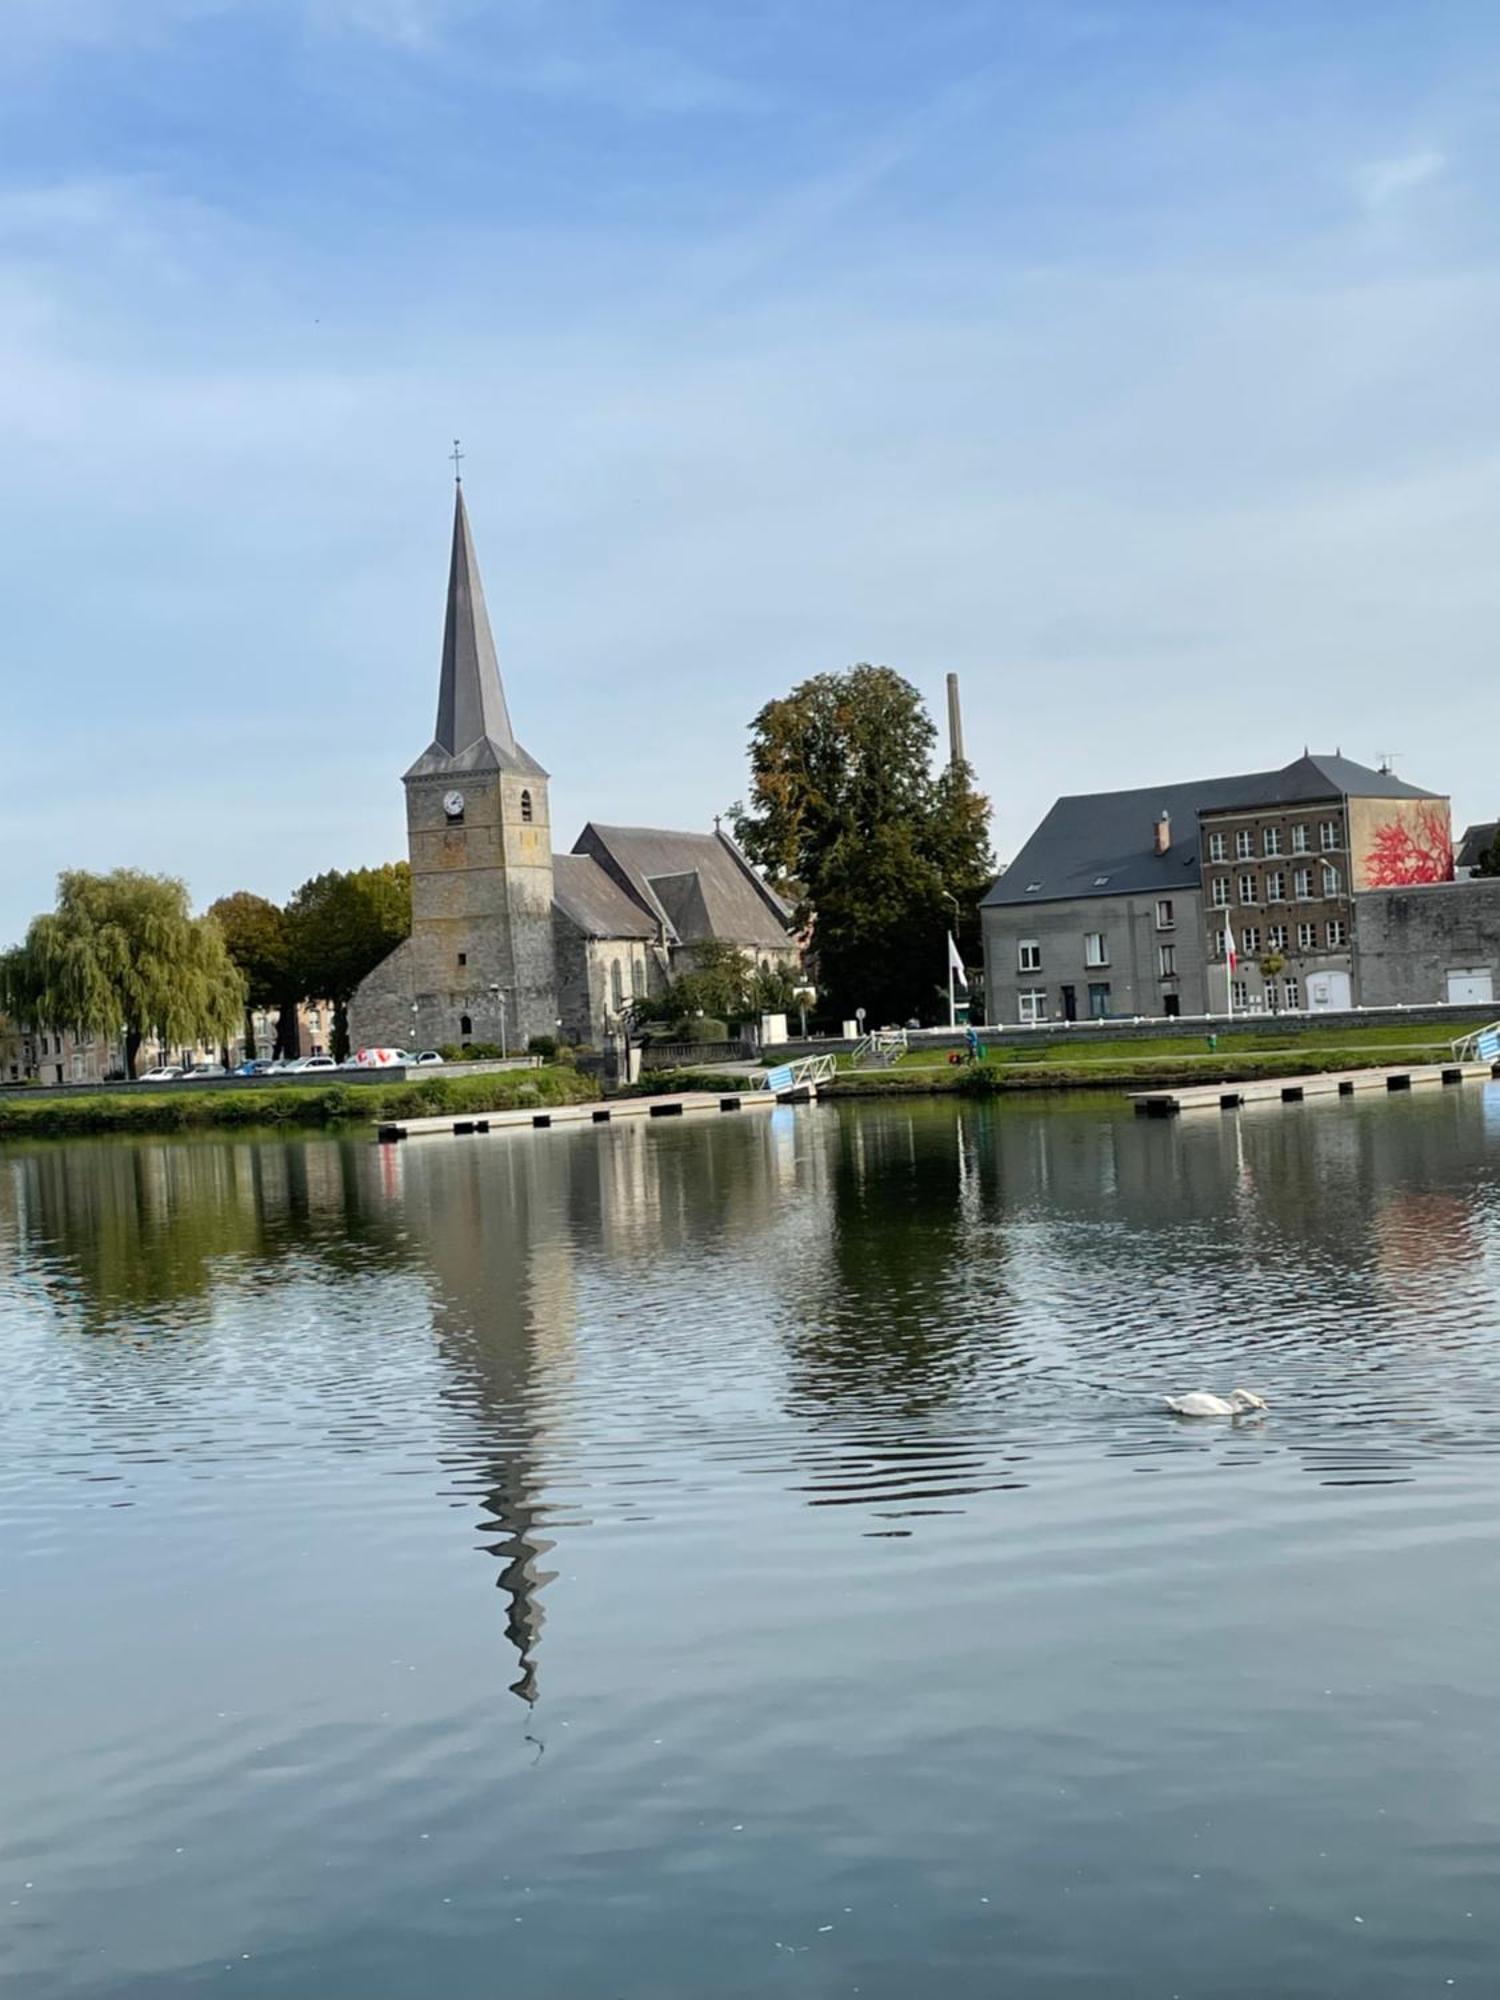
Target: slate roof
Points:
(698, 885)
(1103, 843)
(473, 723)
(1476, 839)
(589, 898)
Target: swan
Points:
(1202, 1403)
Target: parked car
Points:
(381, 1058)
(305, 1063)
(427, 1059)
(165, 1074)
(257, 1066)
(208, 1069)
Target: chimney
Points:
(955, 723)
(1163, 831)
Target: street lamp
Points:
(497, 999)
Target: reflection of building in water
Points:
(493, 1222)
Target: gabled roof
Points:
(696, 885)
(473, 723)
(592, 901)
(1103, 843)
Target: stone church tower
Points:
(479, 834)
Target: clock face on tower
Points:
(453, 804)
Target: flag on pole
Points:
(1231, 956)
(956, 964)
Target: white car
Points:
(305, 1063)
(208, 1069)
(427, 1059)
(166, 1074)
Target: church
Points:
(509, 940)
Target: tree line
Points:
(123, 955)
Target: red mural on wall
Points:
(1418, 849)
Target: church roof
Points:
(473, 723)
(594, 902)
(698, 885)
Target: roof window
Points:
(1100, 881)
(1032, 887)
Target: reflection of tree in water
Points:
(137, 1236)
(890, 1318)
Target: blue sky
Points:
(1136, 361)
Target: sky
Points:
(1136, 362)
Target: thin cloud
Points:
(1381, 183)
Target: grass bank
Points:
(288, 1105)
(1111, 1069)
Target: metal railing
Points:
(804, 1074)
(880, 1050)
(1482, 1046)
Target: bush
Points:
(700, 1028)
(544, 1046)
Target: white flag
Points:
(956, 964)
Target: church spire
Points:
(471, 700)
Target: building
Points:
(508, 939)
(1475, 844)
(1120, 902)
(1431, 943)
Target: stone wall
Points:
(587, 996)
(1407, 941)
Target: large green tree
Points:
(123, 953)
(255, 930)
(340, 926)
(847, 814)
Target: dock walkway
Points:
(680, 1104)
(1294, 1089)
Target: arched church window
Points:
(526, 807)
(617, 985)
(465, 1025)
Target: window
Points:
(1250, 940)
(1307, 937)
(1166, 961)
(1271, 840)
(314, 1019)
(1218, 849)
(1241, 995)
(1219, 892)
(1302, 884)
(1099, 999)
(1292, 990)
(1332, 881)
(1101, 881)
(1220, 949)
(526, 807)
(1338, 935)
(1165, 918)
(465, 1025)
(1276, 937)
(1095, 948)
(1328, 836)
(617, 986)
(1029, 955)
(463, 958)
(1299, 840)
(1033, 1007)
(1276, 886)
(1244, 844)
(1249, 889)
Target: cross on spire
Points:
(458, 458)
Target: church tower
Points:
(479, 833)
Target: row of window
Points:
(1032, 1004)
(1247, 943)
(1273, 884)
(1287, 997)
(1095, 952)
(1244, 841)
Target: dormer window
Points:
(526, 807)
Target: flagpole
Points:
(952, 1004)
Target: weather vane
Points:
(458, 458)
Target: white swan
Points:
(1202, 1403)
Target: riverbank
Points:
(291, 1105)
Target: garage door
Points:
(1472, 989)
(1328, 992)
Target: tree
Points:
(255, 932)
(123, 953)
(340, 926)
(846, 812)
(724, 983)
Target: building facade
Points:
(510, 941)
(1127, 903)
(1430, 943)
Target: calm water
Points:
(748, 1559)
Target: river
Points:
(749, 1558)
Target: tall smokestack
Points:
(955, 723)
